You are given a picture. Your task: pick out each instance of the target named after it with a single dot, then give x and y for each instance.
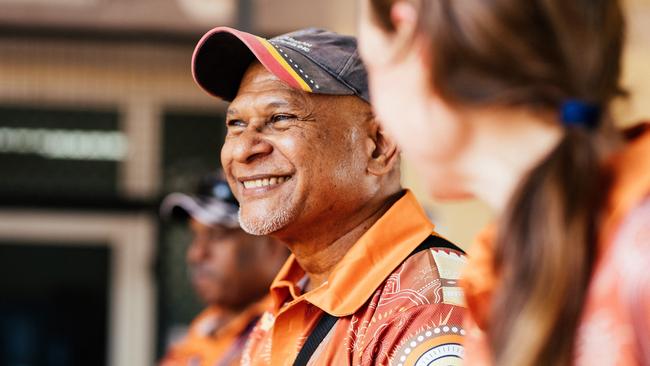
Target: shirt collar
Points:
(365, 266)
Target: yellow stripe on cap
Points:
(285, 64)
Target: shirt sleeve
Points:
(641, 321)
(632, 263)
(615, 329)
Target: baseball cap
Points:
(313, 60)
(212, 204)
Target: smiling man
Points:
(368, 282)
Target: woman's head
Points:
(439, 68)
(431, 61)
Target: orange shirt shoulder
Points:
(392, 307)
(615, 325)
(213, 341)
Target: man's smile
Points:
(262, 183)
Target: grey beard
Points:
(270, 223)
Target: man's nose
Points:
(250, 145)
(196, 252)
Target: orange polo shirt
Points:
(393, 307)
(211, 342)
(615, 324)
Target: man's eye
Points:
(235, 123)
(282, 117)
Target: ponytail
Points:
(545, 254)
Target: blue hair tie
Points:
(578, 113)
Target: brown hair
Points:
(534, 54)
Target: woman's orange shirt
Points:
(615, 325)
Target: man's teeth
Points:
(257, 183)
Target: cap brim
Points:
(209, 212)
(223, 55)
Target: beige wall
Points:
(278, 16)
(636, 64)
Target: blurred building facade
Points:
(99, 118)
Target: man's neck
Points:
(318, 253)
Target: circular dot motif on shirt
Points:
(441, 346)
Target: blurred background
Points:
(99, 119)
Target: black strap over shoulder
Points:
(319, 333)
(434, 241)
(327, 321)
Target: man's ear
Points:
(383, 153)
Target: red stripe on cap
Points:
(267, 59)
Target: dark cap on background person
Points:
(211, 204)
(312, 60)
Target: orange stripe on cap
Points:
(285, 67)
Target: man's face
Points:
(294, 159)
(223, 264)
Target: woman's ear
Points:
(404, 17)
(383, 154)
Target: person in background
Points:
(369, 282)
(230, 271)
(509, 101)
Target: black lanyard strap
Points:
(434, 241)
(319, 333)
